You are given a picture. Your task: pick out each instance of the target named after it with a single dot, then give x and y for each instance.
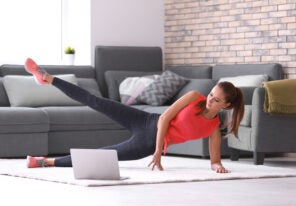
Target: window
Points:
(41, 29)
(30, 28)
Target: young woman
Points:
(193, 116)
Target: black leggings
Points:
(141, 124)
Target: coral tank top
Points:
(189, 126)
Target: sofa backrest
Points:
(79, 71)
(117, 58)
(274, 71)
(200, 79)
(192, 72)
(85, 77)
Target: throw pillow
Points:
(162, 89)
(246, 80)
(131, 87)
(115, 77)
(22, 91)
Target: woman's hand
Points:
(156, 161)
(219, 168)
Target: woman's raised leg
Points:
(126, 116)
(142, 142)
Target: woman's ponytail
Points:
(238, 106)
(234, 96)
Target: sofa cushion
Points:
(244, 141)
(151, 109)
(90, 85)
(23, 91)
(248, 94)
(157, 110)
(246, 121)
(246, 80)
(131, 87)
(162, 89)
(3, 95)
(204, 86)
(23, 120)
(194, 72)
(77, 118)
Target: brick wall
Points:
(231, 32)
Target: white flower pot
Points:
(69, 59)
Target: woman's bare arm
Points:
(163, 124)
(215, 152)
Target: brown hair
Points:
(234, 96)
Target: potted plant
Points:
(69, 55)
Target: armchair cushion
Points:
(246, 80)
(246, 121)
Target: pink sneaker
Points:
(37, 72)
(33, 162)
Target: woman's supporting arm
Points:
(163, 124)
(215, 152)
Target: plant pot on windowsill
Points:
(69, 57)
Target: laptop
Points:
(95, 164)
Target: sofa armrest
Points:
(271, 133)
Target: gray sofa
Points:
(48, 130)
(53, 130)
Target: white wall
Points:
(127, 23)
